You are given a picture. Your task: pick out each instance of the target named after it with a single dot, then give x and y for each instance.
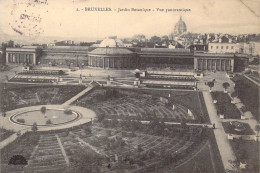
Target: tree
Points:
(10, 43)
(234, 94)
(165, 38)
(226, 85)
(234, 167)
(257, 129)
(34, 127)
(48, 121)
(155, 39)
(137, 75)
(210, 84)
(39, 53)
(43, 109)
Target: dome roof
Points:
(110, 42)
(180, 27)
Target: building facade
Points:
(21, 55)
(109, 57)
(223, 48)
(213, 62)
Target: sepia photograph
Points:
(129, 86)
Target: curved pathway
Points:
(86, 116)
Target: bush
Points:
(43, 109)
(48, 121)
(21, 120)
(34, 127)
(68, 111)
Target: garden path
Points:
(224, 146)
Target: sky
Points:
(32, 19)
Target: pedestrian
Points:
(213, 126)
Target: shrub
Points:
(68, 111)
(43, 109)
(21, 120)
(34, 127)
(48, 121)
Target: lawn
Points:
(22, 96)
(247, 151)
(225, 106)
(230, 130)
(5, 134)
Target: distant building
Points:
(251, 48)
(223, 48)
(112, 53)
(180, 27)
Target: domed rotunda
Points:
(112, 53)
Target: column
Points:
(195, 64)
(6, 57)
(104, 63)
(215, 64)
(34, 58)
(108, 63)
(232, 65)
(113, 62)
(224, 65)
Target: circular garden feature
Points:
(45, 117)
(237, 126)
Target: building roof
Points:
(111, 42)
(9, 49)
(164, 50)
(111, 51)
(67, 48)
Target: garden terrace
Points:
(189, 99)
(145, 105)
(247, 151)
(136, 147)
(133, 150)
(224, 105)
(48, 156)
(35, 95)
(128, 104)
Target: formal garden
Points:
(45, 117)
(118, 140)
(248, 93)
(237, 128)
(115, 146)
(224, 105)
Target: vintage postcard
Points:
(129, 86)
